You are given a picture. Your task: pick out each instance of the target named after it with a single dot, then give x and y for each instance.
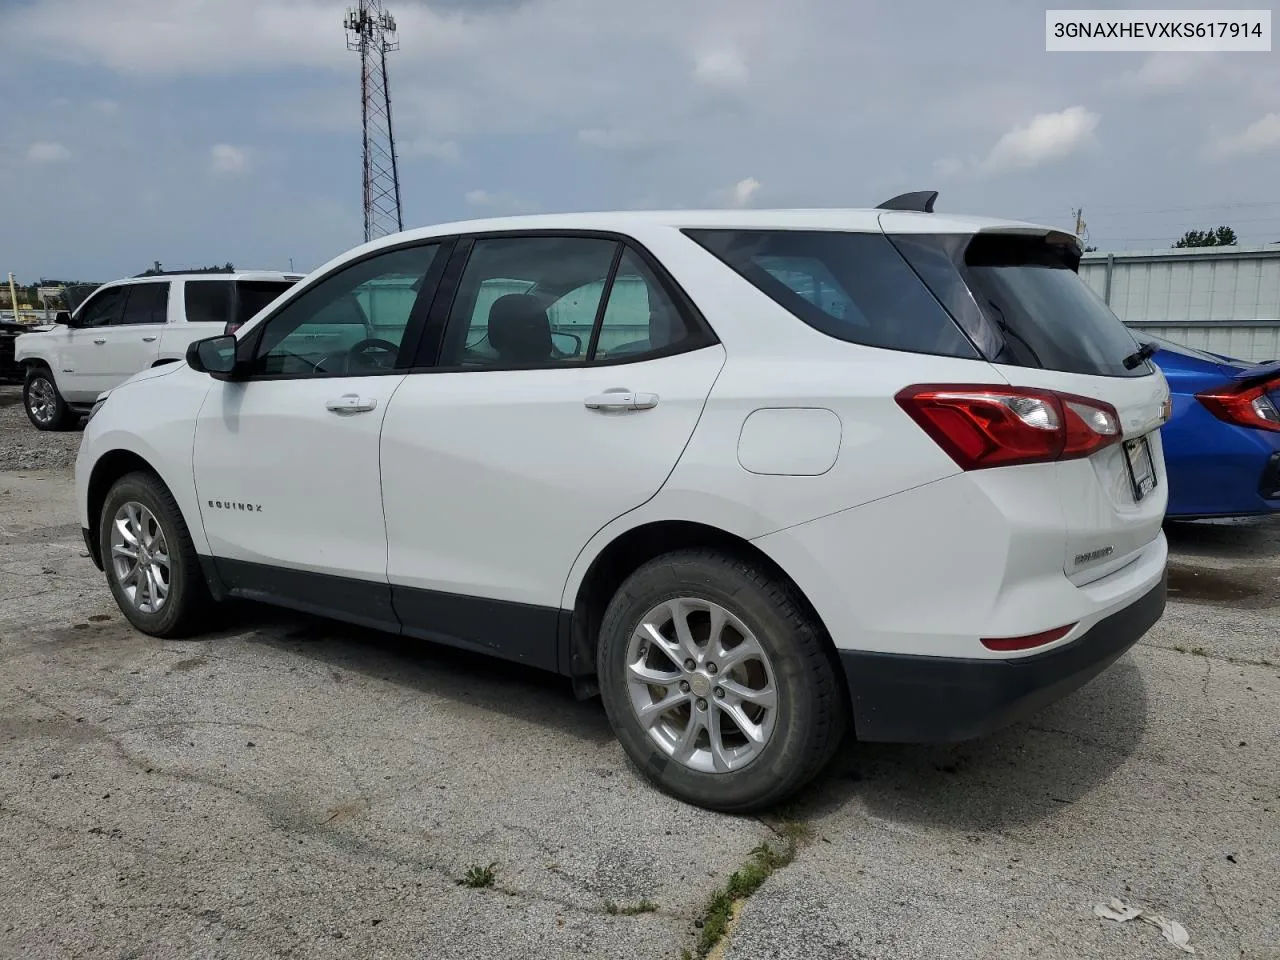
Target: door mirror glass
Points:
(567, 344)
(63, 317)
(215, 356)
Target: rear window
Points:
(851, 286)
(230, 301)
(1040, 312)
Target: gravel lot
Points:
(291, 787)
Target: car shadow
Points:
(512, 689)
(1018, 776)
(1243, 538)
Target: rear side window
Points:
(209, 301)
(1038, 310)
(253, 295)
(851, 286)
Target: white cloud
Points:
(47, 151)
(739, 194)
(1170, 71)
(444, 150)
(615, 138)
(1048, 137)
(481, 198)
(1261, 135)
(226, 160)
(107, 108)
(722, 67)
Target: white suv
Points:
(758, 478)
(129, 325)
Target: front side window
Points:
(851, 286)
(350, 323)
(103, 308)
(147, 303)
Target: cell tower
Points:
(371, 31)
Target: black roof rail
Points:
(921, 201)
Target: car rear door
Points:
(557, 389)
(1041, 326)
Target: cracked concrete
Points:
(290, 787)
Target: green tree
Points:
(1216, 237)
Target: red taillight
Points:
(990, 426)
(1245, 406)
(1005, 644)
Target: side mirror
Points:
(63, 317)
(215, 356)
(567, 344)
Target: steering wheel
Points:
(373, 354)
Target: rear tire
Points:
(46, 409)
(151, 564)
(772, 667)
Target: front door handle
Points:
(148, 339)
(351, 403)
(618, 398)
(100, 340)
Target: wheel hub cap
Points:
(701, 685)
(140, 557)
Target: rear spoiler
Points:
(1258, 373)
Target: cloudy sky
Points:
(200, 131)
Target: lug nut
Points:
(690, 665)
(684, 686)
(711, 668)
(720, 692)
(702, 704)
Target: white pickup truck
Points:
(124, 327)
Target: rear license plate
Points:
(1142, 469)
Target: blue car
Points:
(1222, 444)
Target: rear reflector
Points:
(998, 426)
(1245, 406)
(1006, 644)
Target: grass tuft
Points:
(742, 883)
(478, 877)
(629, 910)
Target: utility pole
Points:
(13, 298)
(1078, 213)
(371, 31)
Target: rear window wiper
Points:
(1144, 352)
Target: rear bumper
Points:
(903, 698)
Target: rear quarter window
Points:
(852, 286)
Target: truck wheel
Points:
(44, 404)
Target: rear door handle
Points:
(351, 403)
(100, 341)
(148, 339)
(620, 399)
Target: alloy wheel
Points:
(140, 557)
(701, 685)
(42, 401)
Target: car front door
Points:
(564, 383)
(132, 340)
(81, 365)
(286, 459)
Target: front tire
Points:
(719, 682)
(151, 564)
(46, 409)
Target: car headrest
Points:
(519, 330)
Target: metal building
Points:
(1222, 299)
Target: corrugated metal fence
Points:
(1222, 299)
